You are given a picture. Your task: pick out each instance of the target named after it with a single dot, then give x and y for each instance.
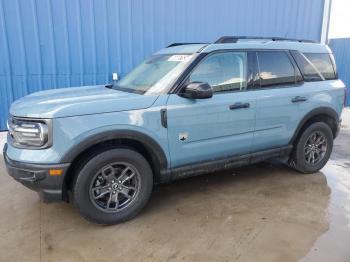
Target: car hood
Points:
(75, 101)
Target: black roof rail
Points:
(177, 44)
(234, 39)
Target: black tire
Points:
(300, 160)
(84, 187)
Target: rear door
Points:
(279, 95)
(221, 126)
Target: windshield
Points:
(155, 74)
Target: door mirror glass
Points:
(197, 90)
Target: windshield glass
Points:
(155, 74)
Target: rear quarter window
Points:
(308, 70)
(323, 63)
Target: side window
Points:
(323, 63)
(308, 70)
(223, 71)
(275, 68)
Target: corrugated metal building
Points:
(48, 44)
(341, 51)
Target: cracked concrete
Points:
(264, 212)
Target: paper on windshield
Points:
(179, 58)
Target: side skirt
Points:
(222, 164)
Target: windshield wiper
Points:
(112, 86)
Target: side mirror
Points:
(197, 90)
(115, 77)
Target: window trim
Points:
(253, 81)
(178, 84)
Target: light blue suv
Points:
(189, 109)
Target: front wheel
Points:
(313, 148)
(113, 186)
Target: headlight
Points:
(30, 133)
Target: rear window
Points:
(323, 63)
(275, 68)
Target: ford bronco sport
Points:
(188, 109)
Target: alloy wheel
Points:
(315, 148)
(114, 187)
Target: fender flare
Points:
(315, 112)
(150, 144)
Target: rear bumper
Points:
(37, 178)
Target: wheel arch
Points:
(321, 114)
(94, 144)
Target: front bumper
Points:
(37, 177)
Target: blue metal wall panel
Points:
(341, 51)
(49, 44)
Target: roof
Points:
(304, 47)
(182, 49)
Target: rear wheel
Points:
(313, 148)
(113, 186)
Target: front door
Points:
(221, 126)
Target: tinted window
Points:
(275, 68)
(223, 71)
(323, 63)
(308, 70)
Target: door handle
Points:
(239, 105)
(298, 99)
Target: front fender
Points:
(94, 137)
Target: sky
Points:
(339, 26)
